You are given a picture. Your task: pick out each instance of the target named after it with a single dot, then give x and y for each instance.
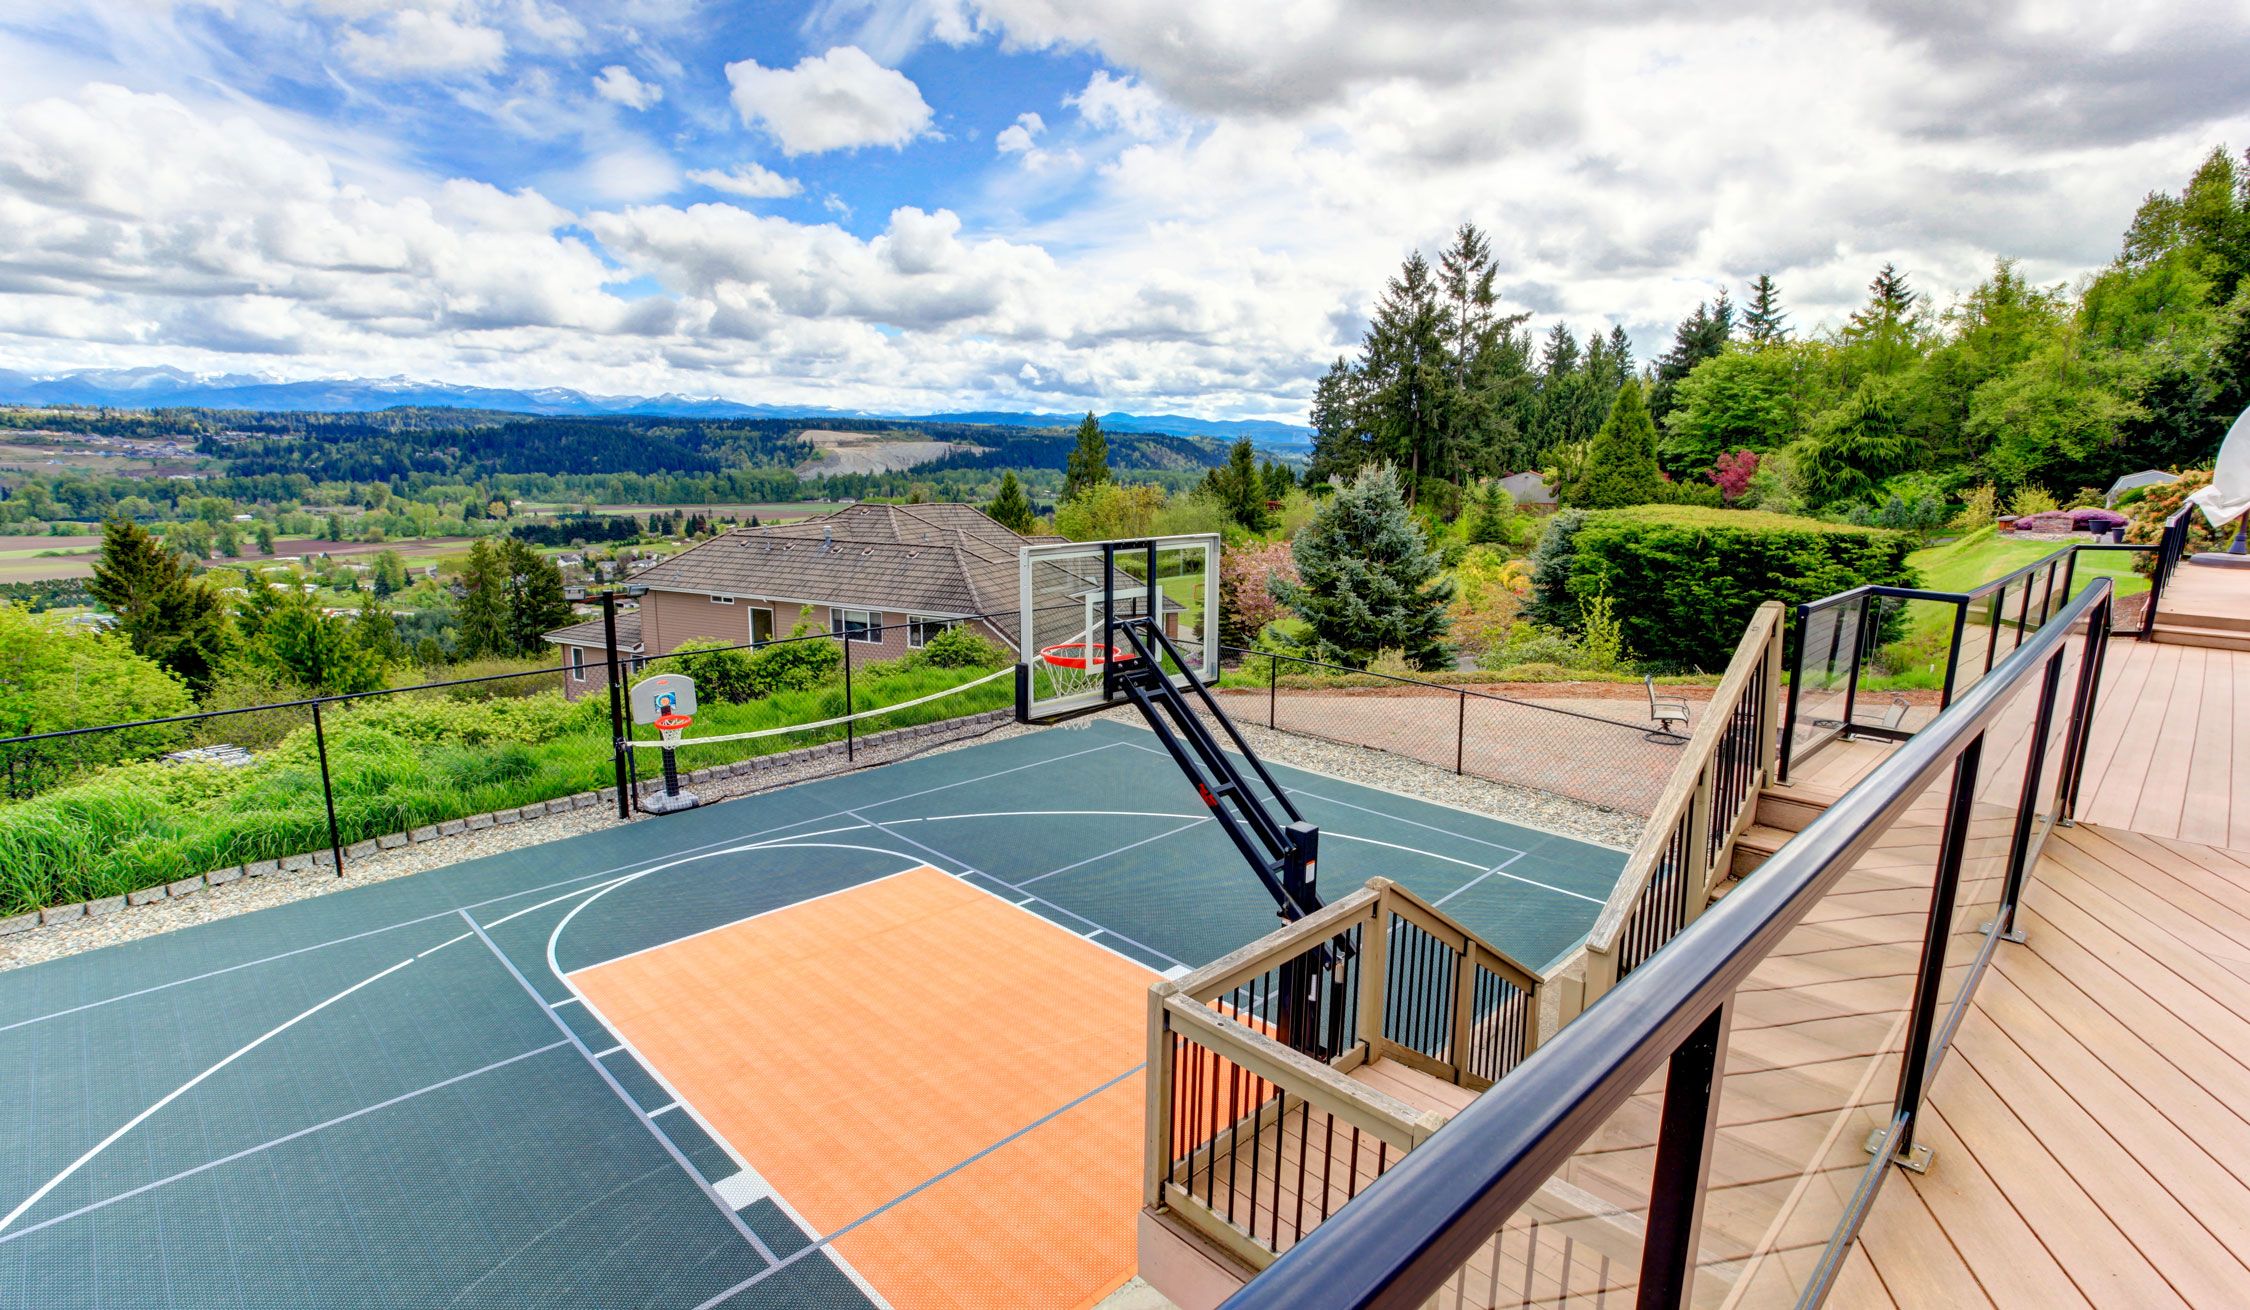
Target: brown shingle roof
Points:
(590, 633)
(925, 559)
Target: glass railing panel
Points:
(1812, 1066)
(1902, 669)
(1576, 1245)
(1823, 670)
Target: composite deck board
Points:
(2099, 1089)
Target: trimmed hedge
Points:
(1686, 579)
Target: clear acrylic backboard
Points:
(1071, 593)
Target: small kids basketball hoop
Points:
(666, 701)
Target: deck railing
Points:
(1256, 1133)
(1834, 642)
(1688, 845)
(2171, 545)
(1689, 1100)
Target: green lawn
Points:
(1984, 555)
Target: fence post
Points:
(849, 746)
(617, 750)
(1460, 729)
(1273, 686)
(328, 792)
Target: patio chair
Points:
(1669, 716)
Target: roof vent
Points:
(827, 541)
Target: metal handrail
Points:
(1400, 1241)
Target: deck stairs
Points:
(2205, 605)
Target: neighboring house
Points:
(2144, 478)
(889, 576)
(585, 653)
(1528, 489)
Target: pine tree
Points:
(1279, 479)
(1699, 336)
(1011, 508)
(1089, 459)
(1368, 580)
(1340, 443)
(1859, 445)
(1494, 522)
(165, 612)
(1885, 335)
(536, 603)
(1764, 324)
(1620, 355)
(319, 652)
(1239, 488)
(1621, 462)
(1407, 373)
(481, 617)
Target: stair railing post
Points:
(1937, 931)
(1686, 1128)
(1769, 720)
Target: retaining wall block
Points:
(185, 886)
(16, 923)
(479, 822)
(260, 868)
(145, 895)
(452, 828)
(390, 841)
(219, 877)
(63, 913)
(360, 850)
(422, 834)
(105, 905)
(506, 817)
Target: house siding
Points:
(669, 618)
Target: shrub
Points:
(956, 648)
(721, 672)
(1246, 603)
(1686, 580)
(1980, 508)
(797, 665)
(2145, 518)
(2031, 500)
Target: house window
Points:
(577, 664)
(722, 600)
(856, 625)
(921, 627)
(761, 625)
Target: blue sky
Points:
(1150, 205)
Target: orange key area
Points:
(856, 1047)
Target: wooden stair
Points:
(1782, 813)
(2205, 605)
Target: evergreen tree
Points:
(481, 616)
(376, 631)
(1885, 335)
(1340, 443)
(1620, 356)
(1621, 461)
(1857, 447)
(389, 573)
(1764, 323)
(265, 537)
(1278, 479)
(1368, 581)
(1487, 364)
(1240, 488)
(536, 603)
(1494, 522)
(334, 528)
(1011, 508)
(164, 611)
(1408, 375)
(1089, 459)
(319, 652)
(1700, 336)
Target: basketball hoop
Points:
(1076, 666)
(670, 726)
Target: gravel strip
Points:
(271, 886)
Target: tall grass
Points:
(396, 763)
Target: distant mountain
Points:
(166, 388)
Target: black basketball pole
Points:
(617, 750)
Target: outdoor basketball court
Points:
(875, 1039)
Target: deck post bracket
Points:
(1915, 1160)
(2014, 934)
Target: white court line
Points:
(1168, 832)
(567, 1000)
(459, 937)
(282, 1140)
(821, 1244)
(736, 923)
(1098, 927)
(186, 1087)
(665, 1108)
(603, 1055)
(671, 1148)
(531, 891)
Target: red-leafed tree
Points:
(1733, 472)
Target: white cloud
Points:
(617, 84)
(630, 170)
(835, 101)
(1017, 136)
(419, 42)
(755, 181)
(1120, 104)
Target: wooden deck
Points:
(2092, 1124)
(2169, 755)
